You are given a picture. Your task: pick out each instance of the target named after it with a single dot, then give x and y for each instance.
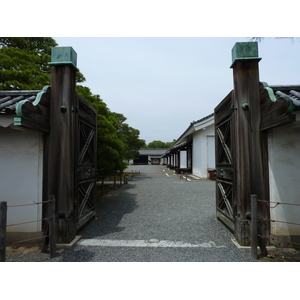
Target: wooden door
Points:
(86, 162)
(225, 201)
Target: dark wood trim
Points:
(3, 219)
(61, 182)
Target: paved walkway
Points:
(156, 217)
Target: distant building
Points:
(194, 150)
(150, 157)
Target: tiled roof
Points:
(289, 93)
(10, 99)
(203, 119)
(30, 109)
(152, 151)
(186, 135)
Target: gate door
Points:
(224, 164)
(86, 160)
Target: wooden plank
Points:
(85, 159)
(225, 147)
(52, 227)
(46, 238)
(248, 153)
(249, 163)
(36, 114)
(224, 109)
(31, 125)
(274, 111)
(225, 200)
(224, 161)
(254, 226)
(3, 220)
(61, 157)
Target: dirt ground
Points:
(281, 255)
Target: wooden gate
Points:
(225, 200)
(85, 162)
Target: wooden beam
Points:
(246, 125)
(35, 115)
(248, 154)
(52, 227)
(3, 218)
(254, 226)
(61, 156)
(274, 111)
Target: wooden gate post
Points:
(3, 218)
(248, 155)
(254, 226)
(61, 157)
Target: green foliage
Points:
(24, 63)
(132, 142)
(39, 44)
(109, 146)
(169, 144)
(156, 144)
(116, 140)
(130, 138)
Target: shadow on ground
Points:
(110, 209)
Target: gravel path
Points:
(156, 217)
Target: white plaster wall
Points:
(183, 159)
(211, 160)
(284, 170)
(6, 120)
(202, 158)
(21, 158)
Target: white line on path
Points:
(146, 243)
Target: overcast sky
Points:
(162, 84)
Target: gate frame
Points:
(249, 154)
(62, 156)
(85, 172)
(223, 114)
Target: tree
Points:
(116, 140)
(169, 144)
(159, 144)
(24, 63)
(132, 142)
(109, 146)
(129, 136)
